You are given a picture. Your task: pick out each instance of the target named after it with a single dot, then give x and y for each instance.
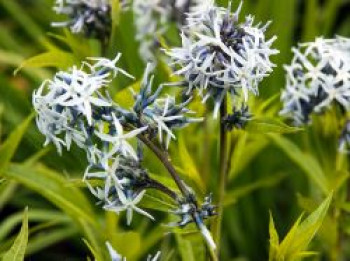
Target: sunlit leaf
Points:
(269, 125)
(294, 245)
(52, 186)
(55, 58)
(8, 149)
(274, 240)
(18, 249)
(124, 97)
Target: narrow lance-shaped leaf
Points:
(8, 149)
(55, 58)
(53, 187)
(269, 125)
(294, 245)
(274, 240)
(305, 161)
(17, 251)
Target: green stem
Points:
(222, 175)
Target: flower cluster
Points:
(124, 184)
(152, 17)
(317, 78)
(161, 115)
(189, 212)
(238, 119)
(91, 17)
(75, 107)
(219, 55)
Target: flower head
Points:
(317, 78)
(71, 105)
(152, 18)
(220, 55)
(91, 17)
(238, 119)
(189, 212)
(160, 115)
(124, 184)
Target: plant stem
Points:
(222, 174)
(164, 158)
(154, 184)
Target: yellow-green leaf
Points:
(305, 161)
(269, 125)
(8, 149)
(17, 251)
(274, 239)
(53, 187)
(54, 58)
(188, 164)
(294, 245)
(124, 97)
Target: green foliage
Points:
(306, 162)
(270, 161)
(295, 244)
(58, 59)
(269, 125)
(8, 149)
(18, 249)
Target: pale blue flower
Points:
(219, 55)
(317, 78)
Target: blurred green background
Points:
(266, 174)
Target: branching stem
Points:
(164, 158)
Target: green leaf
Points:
(35, 215)
(7, 189)
(53, 58)
(274, 240)
(248, 146)
(17, 251)
(269, 125)
(124, 97)
(157, 201)
(305, 161)
(15, 60)
(92, 250)
(127, 250)
(18, 13)
(53, 187)
(186, 249)
(294, 245)
(188, 164)
(8, 149)
(49, 238)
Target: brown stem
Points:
(154, 184)
(164, 158)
